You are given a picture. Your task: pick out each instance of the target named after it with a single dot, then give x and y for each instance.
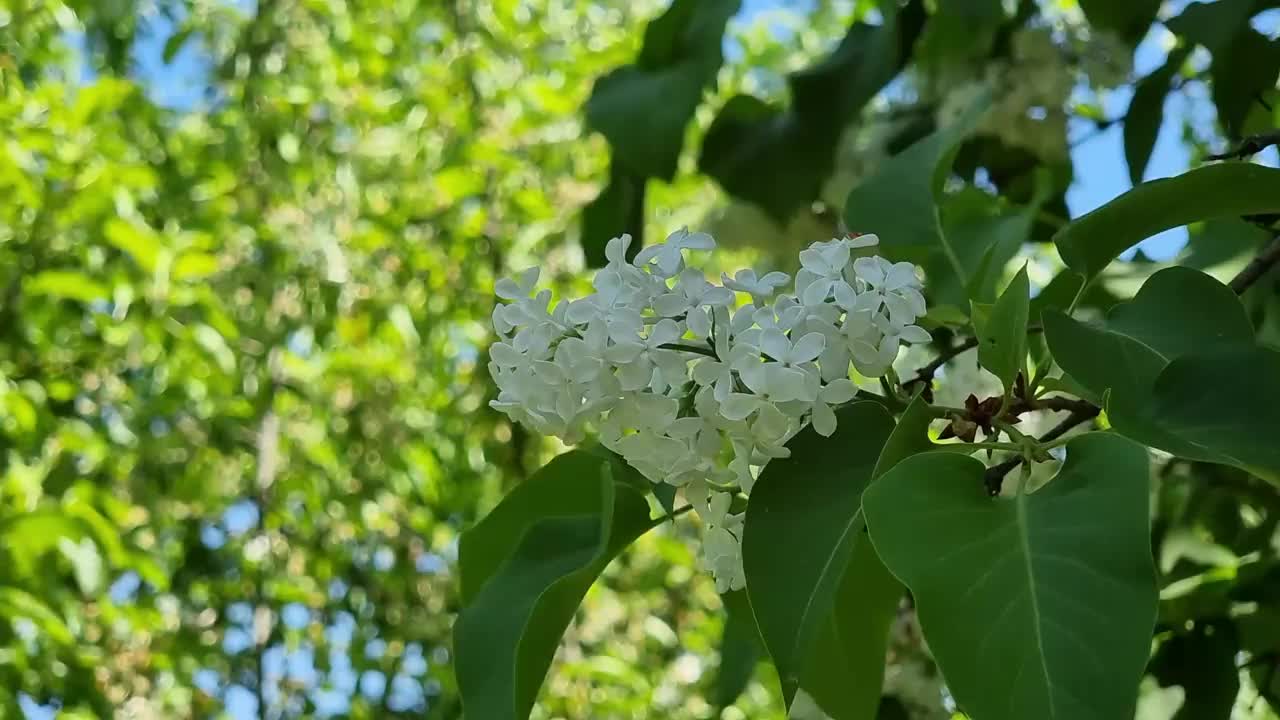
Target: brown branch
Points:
(926, 373)
(994, 478)
(1249, 147)
(1257, 267)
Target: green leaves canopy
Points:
(1036, 606)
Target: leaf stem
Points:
(1257, 267)
(984, 445)
(950, 252)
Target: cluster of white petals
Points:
(698, 384)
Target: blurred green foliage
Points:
(242, 379)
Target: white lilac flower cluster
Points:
(691, 386)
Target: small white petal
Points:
(508, 289)
(869, 269)
(864, 241)
(839, 391)
(817, 292)
(775, 344)
(671, 304)
(738, 406)
(623, 352)
(901, 275)
(699, 323)
(823, 419)
(808, 348)
(915, 334)
(786, 383)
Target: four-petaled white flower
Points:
(666, 258)
(760, 289)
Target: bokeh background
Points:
(247, 253)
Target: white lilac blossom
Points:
(695, 384)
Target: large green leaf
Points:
(1002, 334)
(812, 500)
(1221, 241)
(568, 485)
(1036, 606)
(643, 108)
(899, 202)
(779, 158)
(506, 635)
(1178, 369)
(1093, 240)
(1145, 115)
(1225, 402)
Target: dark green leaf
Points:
(1242, 71)
(1203, 661)
(1090, 242)
(1129, 18)
(1002, 334)
(569, 485)
(1178, 310)
(1178, 369)
(1212, 24)
(617, 210)
(506, 635)
(961, 30)
(844, 669)
(174, 44)
(740, 647)
(643, 108)
(1226, 402)
(1146, 113)
(812, 499)
(899, 201)
(778, 158)
(1220, 241)
(1037, 606)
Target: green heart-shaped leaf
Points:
(1179, 370)
(1037, 606)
